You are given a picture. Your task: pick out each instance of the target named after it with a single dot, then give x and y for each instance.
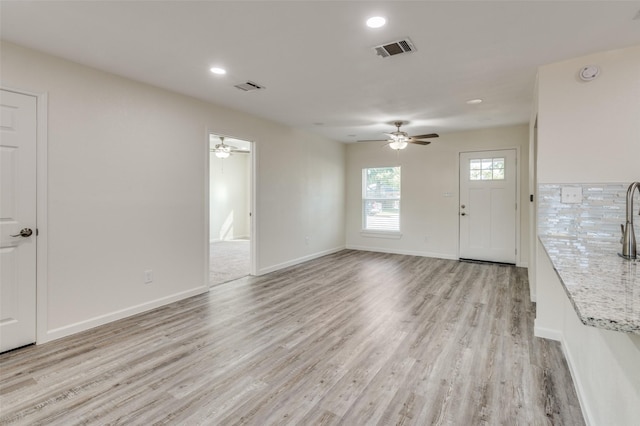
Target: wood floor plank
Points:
(353, 338)
(371, 403)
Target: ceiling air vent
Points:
(249, 86)
(395, 48)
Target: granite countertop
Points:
(603, 287)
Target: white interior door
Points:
(488, 208)
(17, 220)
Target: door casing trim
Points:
(518, 201)
(253, 223)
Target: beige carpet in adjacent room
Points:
(229, 260)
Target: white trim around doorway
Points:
(42, 209)
(253, 223)
(519, 260)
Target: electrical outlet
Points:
(148, 276)
(571, 195)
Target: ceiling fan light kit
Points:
(222, 151)
(398, 144)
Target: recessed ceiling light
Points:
(474, 101)
(219, 71)
(376, 22)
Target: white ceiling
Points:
(316, 61)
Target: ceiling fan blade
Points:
(430, 135)
(373, 140)
(419, 142)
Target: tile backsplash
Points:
(600, 213)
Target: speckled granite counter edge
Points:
(602, 323)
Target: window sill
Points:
(392, 235)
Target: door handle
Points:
(25, 232)
(463, 214)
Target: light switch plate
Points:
(571, 194)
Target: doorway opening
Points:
(230, 208)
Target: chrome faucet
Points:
(629, 249)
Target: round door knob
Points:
(25, 232)
(463, 214)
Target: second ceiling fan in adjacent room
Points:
(223, 150)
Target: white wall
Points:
(590, 132)
(429, 219)
(301, 193)
(127, 186)
(229, 194)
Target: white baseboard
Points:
(551, 334)
(70, 329)
(297, 261)
(580, 390)
(547, 333)
(236, 237)
(407, 252)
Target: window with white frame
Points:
(486, 169)
(381, 199)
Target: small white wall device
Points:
(589, 72)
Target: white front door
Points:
(488, 209)
(17, 213)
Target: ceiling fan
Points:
(398, 140)
(223, 150)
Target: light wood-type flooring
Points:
(353, 338)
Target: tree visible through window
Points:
(486, 169)
(381, 199)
